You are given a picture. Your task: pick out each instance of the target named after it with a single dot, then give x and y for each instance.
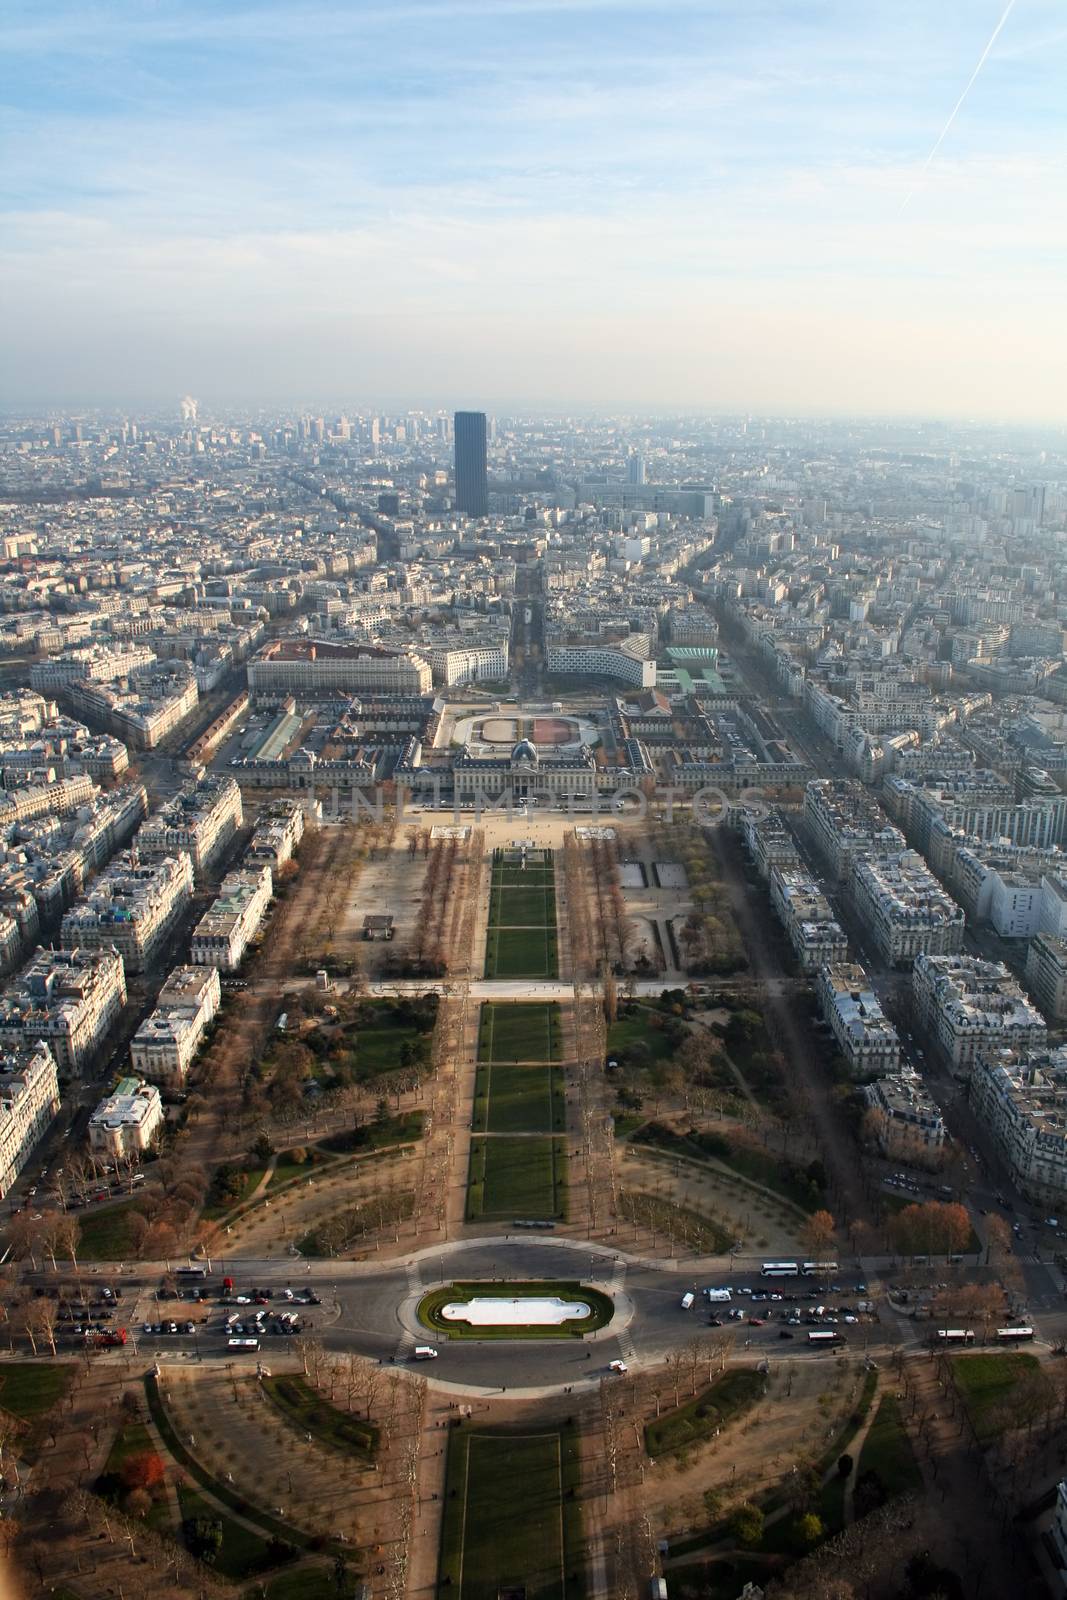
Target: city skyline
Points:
(533, 205)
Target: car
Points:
(617, 1366)
(716, 1322)
(288, 1294)
(190, 1327)
(146, 1327)
(756, 1322)
(261, 1299)
(312, 1300)
(784, 1333)
(242, 1300)
(172, 1327)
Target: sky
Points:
(715, 205)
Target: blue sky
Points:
(679, 202)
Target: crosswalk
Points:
(406, 1342)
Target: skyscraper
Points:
(472, 482)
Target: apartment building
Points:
(200, 820)
(865, 1036)
(310, 667)
(805, 914)
(70, 999)
(905, 909)
(125, 1124)
(768, 841)
(1046, 975)
(29, 1102)
(846, 824)
(973, 1009)
(223, 933)
(165, 1045)
(905, 1120)
(134, 907)
(277, 834)
(621, 662)
(1021, 1101)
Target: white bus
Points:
(825, 1336)
(955, 1335)
(811, 1269)
(242, 1344)
(1014, 1335)
(780, 1269)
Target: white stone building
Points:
(134, 907)
(223, 933)
(68, 998)
(865, 1036)
(201, 820)
(29, 1101)
(126, 1122)
(1021, 1101)
(905, 909)
(974, 1009)
(165, 1045)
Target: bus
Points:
(780, 1269)
(1014, 1335)
(242, 1344)
(955, 1335)
(811, 1269)
(825, 1336)
(189, 1273)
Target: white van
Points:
(425, 1352)
(687, 1300)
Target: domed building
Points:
(524, 754)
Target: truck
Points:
(687, 1300)
(658, 1590)
(111, 1339)
(717, 1297)
(425, 1352)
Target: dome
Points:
(524, 751)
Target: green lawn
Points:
(518, 1100)
(986, 1383)
(521, 1032)
(887, 1450)
(309, 1412)
(521, 953)
(369, 1136)
(637, 1027)
(522, 905)
(31, 1388)
(108, 1235)
(516, 1177)
(730, 1394)
(512, 1518)
(601, 1309)
(308, 1583)
(242, 1553)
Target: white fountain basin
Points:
(526, 1312)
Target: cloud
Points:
(245, 178)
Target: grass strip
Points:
(308, 1411)
(730, 1395)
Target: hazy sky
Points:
(579, 202)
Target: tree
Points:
(262, 1149)
(808, 1530)
(144, 1470)
(817, 1234)
(203, 1535)
(844, 1466)
(746, 1525)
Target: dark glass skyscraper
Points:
(472, 481)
